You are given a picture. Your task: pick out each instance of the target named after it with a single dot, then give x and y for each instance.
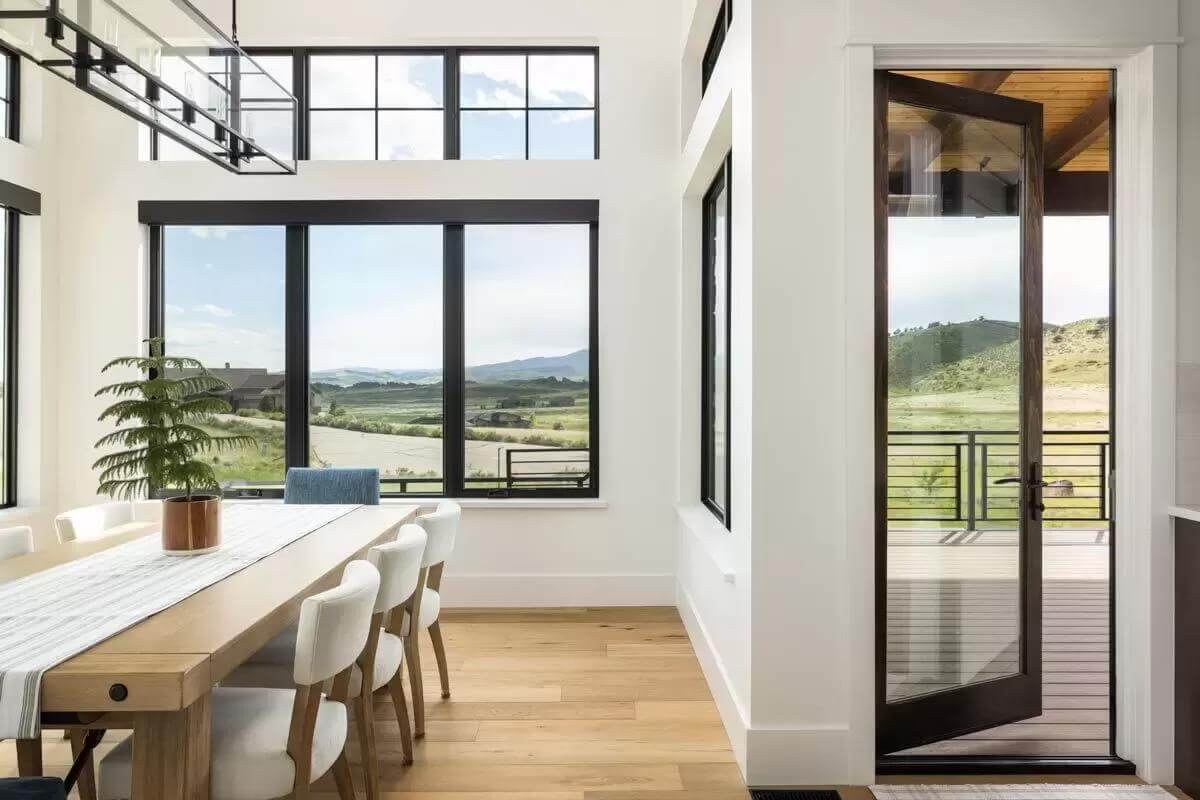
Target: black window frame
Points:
(716, 42)
(15, 201)
(722, 182)
(12, 66)
(452, 116)
(297, 217)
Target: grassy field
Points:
(398, 427)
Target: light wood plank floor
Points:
(556, 704)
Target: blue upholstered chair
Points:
(32, 789)
(306, 485)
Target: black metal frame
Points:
(297, 216)
(451, 82)
(721, 507)
(12, 258)
(716, 42)
(13, 100)
(78, 66)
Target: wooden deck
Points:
(952, 615)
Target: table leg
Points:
(29, 758)
(171, 752)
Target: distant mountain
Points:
(914, 353)
(572, 365)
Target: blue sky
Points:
(952, 269)
(376, 297)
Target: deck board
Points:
(940, 581)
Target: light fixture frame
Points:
(230, 148)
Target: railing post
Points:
(983, 481)
(1103, 448)
(958, 480)
(970, 481)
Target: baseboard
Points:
(815, 755)
(541, 591)
(733, 716)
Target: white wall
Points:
(31, 163)
(803, 712)
(622, 553)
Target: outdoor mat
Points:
(1020, 791)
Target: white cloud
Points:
(213, 309)
(171, 308)
(212, 232)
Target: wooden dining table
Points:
(155, 677)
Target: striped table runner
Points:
(53, 615)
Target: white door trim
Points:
(1146, 175)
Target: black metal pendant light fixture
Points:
(168, 66)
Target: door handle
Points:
(1035, 484)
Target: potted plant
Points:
(162, 440)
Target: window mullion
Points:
(453, 361)
(296, 445)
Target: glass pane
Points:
(954, 356)
(562, 134)
(256, 85)
(411, 82)
(719, 357)
(492, 81)
(526, 346)
(558, 81)
(224, 305)
(341, 135)
(5, 62)
(269, 128)
(411, 134)
(342, 81)
(377, 366)
(492, 134)
(4, 118)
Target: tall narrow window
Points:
(716, 41)
(714, 446)
(8, 359)
(376, 367)
(384, 106)
(10, 81)
(223, 303)
(536, 105)
(527, 328)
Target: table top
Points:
(169, 659)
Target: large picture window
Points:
(715, 361)
(9, 241)
(451, 345)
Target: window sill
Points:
(525, 503)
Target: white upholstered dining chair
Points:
(93, 522)
(399, 565)
(441, 526)
(16, 541)
(271, 743)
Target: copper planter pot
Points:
(191, 526)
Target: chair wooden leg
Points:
(341, 776)
(86, 784)
(364, 714)
(439, 652)
(396, 689)
(412, 654)
(29, 758)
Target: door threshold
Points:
(1003, 765)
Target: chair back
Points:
(16, 541)
(399, 565)
(90, 522)
(442, 527)
(334, 625)
(336, 485)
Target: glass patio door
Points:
(959, 203)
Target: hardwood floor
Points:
(554, 704)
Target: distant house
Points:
(499, 419)
(257, 389)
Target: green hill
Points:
(1076, 353)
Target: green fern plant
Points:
(158, 420)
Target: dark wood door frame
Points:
(934, 717)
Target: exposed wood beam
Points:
(986, 80)
(1079, 134)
